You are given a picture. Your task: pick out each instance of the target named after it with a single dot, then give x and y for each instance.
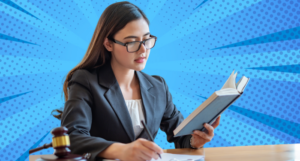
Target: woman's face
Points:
(137, 30)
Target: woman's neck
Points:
(125, 77)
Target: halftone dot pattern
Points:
(48, 46)
(217, 141)
(26, 154)
(161, 140)
(203, 17)
(244, 25)
(289, 34)
(37, 91)
(23, 142)
(264, 125)
(171, 13)
(38, 65)
(14, 5)
(197, 69)
(241, 134)
(199, 44)
(11, 97)
(284, 68)
(26, 119)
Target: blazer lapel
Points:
(148, 100)
(114, 96)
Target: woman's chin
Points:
(140, 67)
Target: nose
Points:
(142, 48)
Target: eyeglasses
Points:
(135, 45)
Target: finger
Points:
(151, 145)
(202, 135)
(143, 157)
(194, 136)
(148, 154)
(217, 122)
(145, 150)
(210, 129)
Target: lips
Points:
(140, 59)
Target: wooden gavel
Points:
(60, 144)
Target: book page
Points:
(230, 83)
(242, 84)
(226, 91)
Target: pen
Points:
(148, 132)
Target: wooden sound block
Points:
(70, 157)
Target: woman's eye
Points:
(129, 42)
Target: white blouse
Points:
(135, 108)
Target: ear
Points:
(108, 45)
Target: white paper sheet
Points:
(173, 157)
(179, 157)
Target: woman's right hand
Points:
(140, 150)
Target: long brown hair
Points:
(113, 19)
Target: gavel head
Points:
(60, 141)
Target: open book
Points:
(211, 108)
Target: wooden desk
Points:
(246, 153)
(239, 153)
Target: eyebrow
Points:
(148, 33)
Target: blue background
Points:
(199, 44)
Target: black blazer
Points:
(96, 114)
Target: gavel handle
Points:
(45, 146)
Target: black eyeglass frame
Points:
(125, 44)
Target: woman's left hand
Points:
(199, 138)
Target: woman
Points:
(107, 95)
